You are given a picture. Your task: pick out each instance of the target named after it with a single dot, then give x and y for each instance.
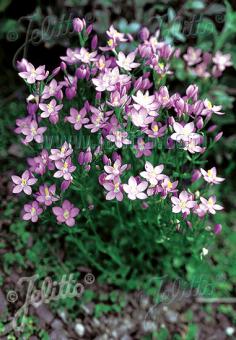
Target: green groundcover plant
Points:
(117, 159)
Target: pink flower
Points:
(118, 99)
(210, 204)
(39, 164)
(46, 195)
(167, 186)
(147, 102)
(65, 151)
(86, 57)
(77, 118)
(71, 56)
(107, 80)
(209, 108)
(115, 35)
(156, 130)
(222, 60)
(153, 174)
(50, 110)
(65, 168)
(52, 89)
(23, 183)
(211, 177)
(192, 145)
(141, 118)
(143, 149)
(182, 204)
(135, 190)
(66, 214)
(114, 189)
(31, 74)
(114, 171)
(193, 56)
(118, 137)
(32, 211)
(33, 132)
(184, 133)
(127, 63)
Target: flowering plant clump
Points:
(106, 125)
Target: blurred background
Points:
(114, 309)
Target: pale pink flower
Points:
(192, 145)
(52, 89)
(141, 117)
(166, 186)
(143, 149)
(222, 60)
(127, 63)
(71, 56)
(76, 118)
(209, 108)
(23, 183)
(210, 176)
(50, 109)
(153, 174)
(46, 195)
(114, 171)
(135, 190)
(210, 204)
(65, 168)
(66, 214)
(32, 211)
(118, 99)
(147, 102)
(183, 203)
(65, 151)
(184, 133)
(114, 189)
(33, 132)
(115, 35)
(31, 74)
(107, 80)
(86, 57)
(118, 137)
(193, 56)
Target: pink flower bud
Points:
(94, 42)
(32, 108)
(63, 66)
(98, 95)
(196, 175)
(199, 123)
(78, 24)
(88, 156)
(212, 128)
(218, 136)
(106, 160)
(89, 29)
(56, 71)
(192, 92)
(81, 158)
(217, 229)
(70, 92)
(144, 34)
(81, 72)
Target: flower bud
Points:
(78, 25)
(196, 175)
(94, 42)
(144, 34)
(218, 136)
(199, 123)
(217, 229)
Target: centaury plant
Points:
(116, 158)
